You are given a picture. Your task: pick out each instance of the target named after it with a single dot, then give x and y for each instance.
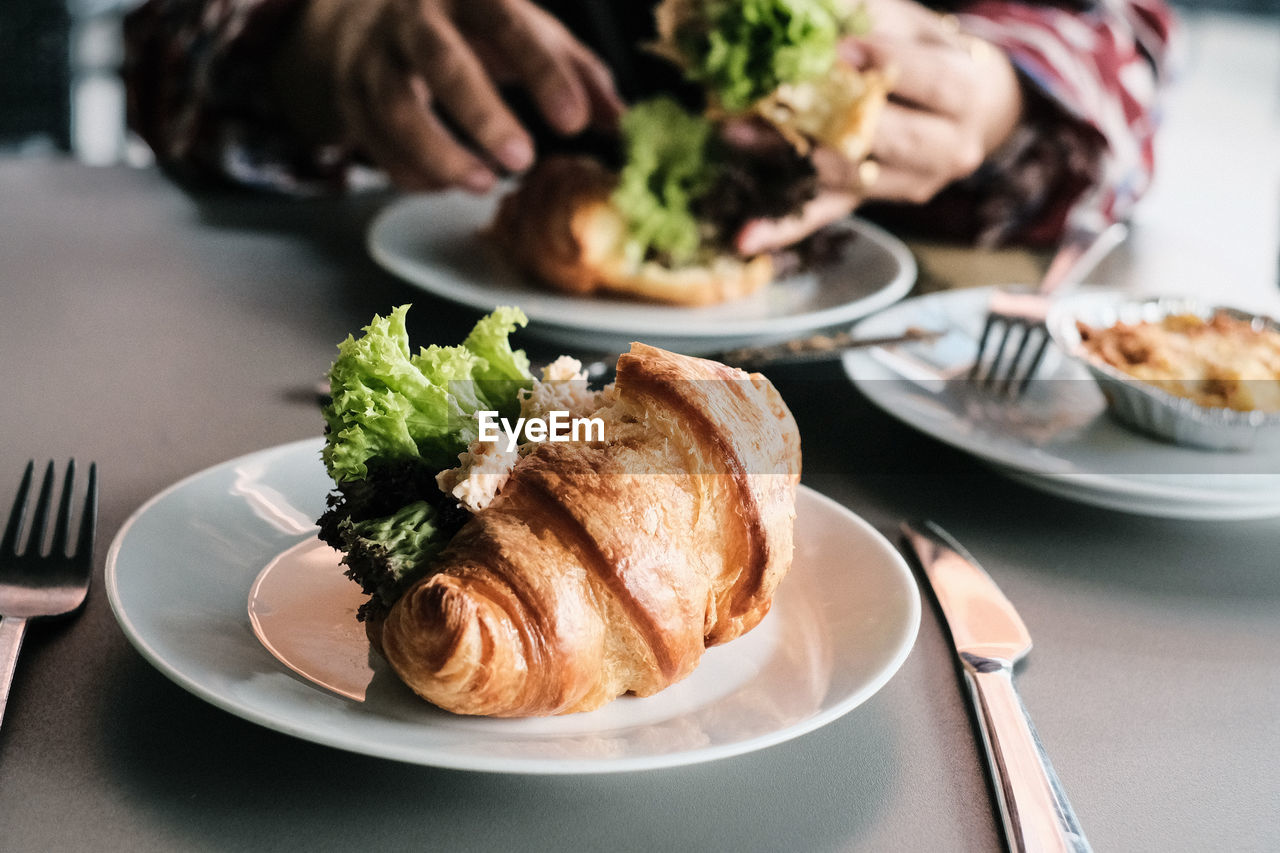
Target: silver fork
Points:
(34, 582)
(1022, 314)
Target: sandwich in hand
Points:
(526, 577)
(661, 225)
(778, 60)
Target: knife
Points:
(816, 347)
(990, 638)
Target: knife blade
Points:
(989, 638)
(816, 347)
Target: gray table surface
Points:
(160, 335)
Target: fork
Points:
(1025, 312)
(34, 583)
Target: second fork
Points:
(1024, 312)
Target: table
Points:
(160, 335)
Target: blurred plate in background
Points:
(436, 242)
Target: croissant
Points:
(559, 225)
(609, 567)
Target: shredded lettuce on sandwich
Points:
(392, 406)
(743, 50)
(402, 441)
(396, 419)
(666, 171)
(683, 194)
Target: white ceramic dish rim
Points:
(289, 725)
(566, 313)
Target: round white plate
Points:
(436, 242)
(179, 576)
(1057, 437)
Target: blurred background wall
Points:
(61, 91)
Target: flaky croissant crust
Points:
(610, 567)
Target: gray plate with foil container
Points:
(1058, 437)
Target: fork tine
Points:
(1012, 381)
(997, 357)
(89, 518)
(1034, 364)
(982, 346)
(40, 521)
(62, 525)
(9, 544)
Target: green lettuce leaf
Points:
(743, 50)
(666, 171)
(390, 407)
(491, 341)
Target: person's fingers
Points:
(357, 50)
(939, 78)
(767, 235)
(851, 50)
(460, 84)
(837, 172)
(912, 138)
(904, 19)
(896, 184)
(539, 48)
(395, 127)
(753, 135)
(915, 142)
(605, 103)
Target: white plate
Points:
(179, 574)
(1058, 437)
(436, 242)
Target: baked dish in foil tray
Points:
(1179, 368)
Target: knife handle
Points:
(1034, 808)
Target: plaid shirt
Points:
(197, 70)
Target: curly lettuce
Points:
(390, 406)
(385, 555)
(396, 419)
(667, 169)
(743, 50)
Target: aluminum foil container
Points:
(1148, 408)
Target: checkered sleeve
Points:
(1086, 148)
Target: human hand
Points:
(384, 76)
(955, 100)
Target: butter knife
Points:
(817, 347)
(990, 638)
(822, 346)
